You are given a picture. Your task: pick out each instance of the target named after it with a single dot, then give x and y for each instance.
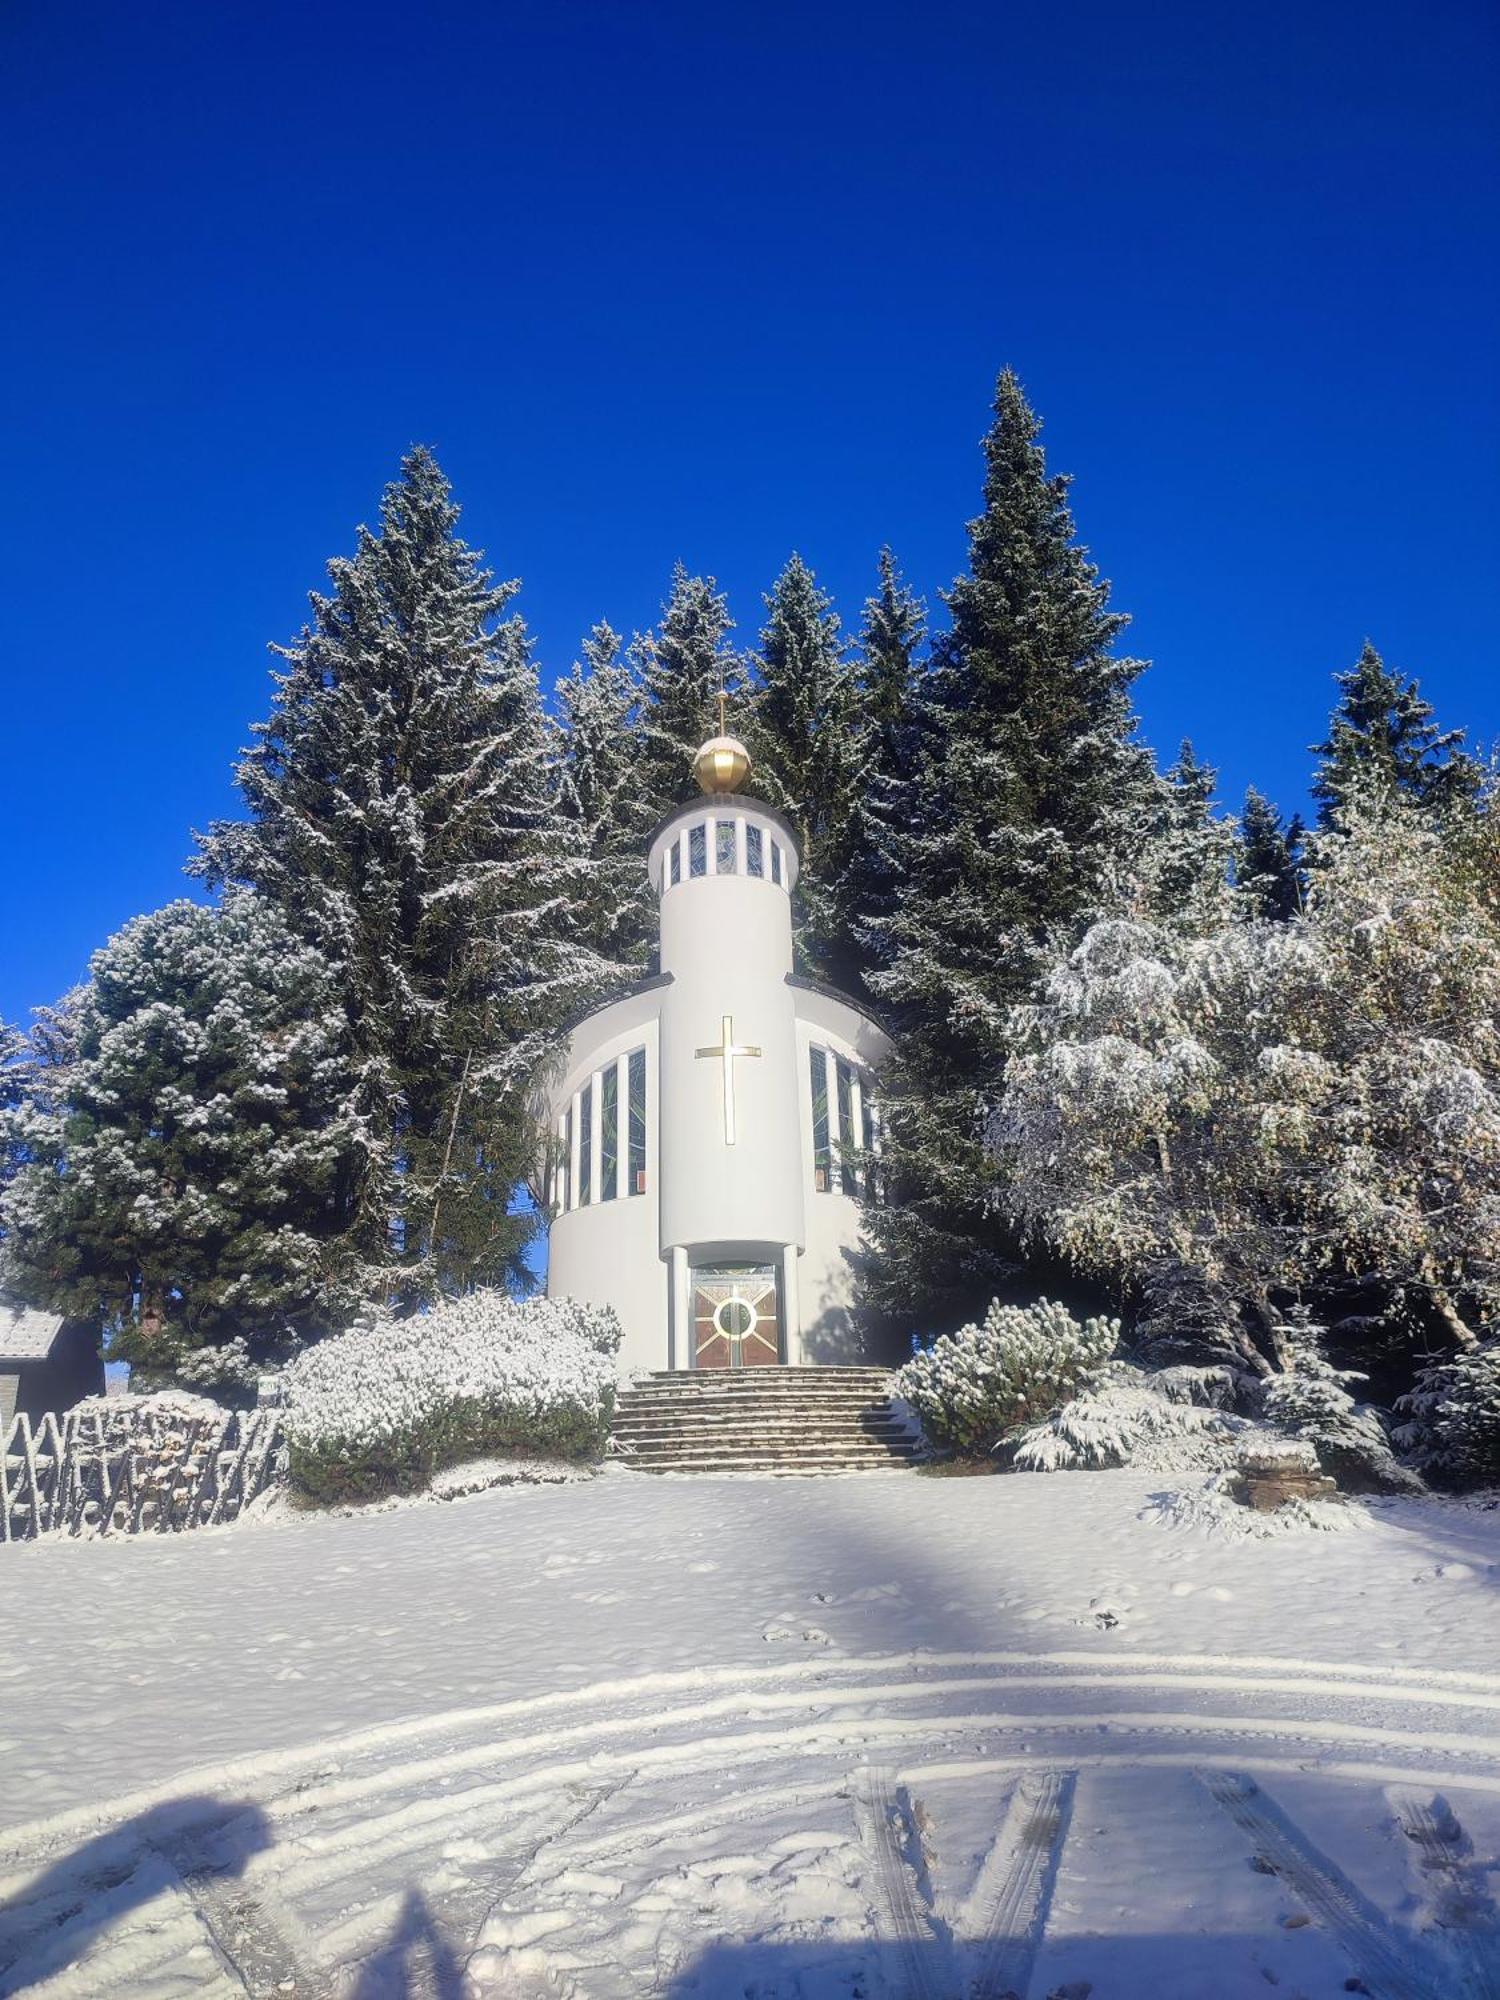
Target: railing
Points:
(96, 1472)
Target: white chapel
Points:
(712, 1127)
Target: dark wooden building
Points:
(46, 1362)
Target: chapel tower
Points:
(713, 1129)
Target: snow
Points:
(877, 1734)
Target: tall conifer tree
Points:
(1383, 742)
(683, 664)
(205, 1122)
(889, 676)
(605, 795)
(1028, 788)
(1179, 876)
(809, 748)
(1268, 869)
(403, 813)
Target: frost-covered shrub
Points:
(1127, 1417)
(1268, 1105)
(381, 1408)
(972, 1386)
(1452, 1427)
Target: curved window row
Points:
(727, 845)
(845, 1124)
(601, 1137)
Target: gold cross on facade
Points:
(727, 1049)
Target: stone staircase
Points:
(782, 1420)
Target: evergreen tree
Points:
(185, 1169)
(683, 665)
(1028, 789)
(891, 635)
(13, 1092)
(809, 751)
(604, 794)
(404, 816)
(1180, 875)
(1268, 865)
(1383, 742)
(34, 1073)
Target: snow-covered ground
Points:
(880, 1735)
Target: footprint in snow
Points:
(782, 1628)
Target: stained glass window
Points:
(609, 1133)
(775, 861)
(847, 1138)
(637, 1182)
(754, 854)
(586, 1143)
(675, 861)
(822, 1156)
(724, 846)
(565, 1142)
(698, 850)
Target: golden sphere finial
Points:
(722, 765)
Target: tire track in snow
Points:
(1462, 1909)
(1389, 1967)
(1329, 1679)
(900, 1914)
(1013, 1894)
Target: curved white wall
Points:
(727, 943)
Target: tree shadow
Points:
(61, 1913)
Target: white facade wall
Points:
(607, 1253)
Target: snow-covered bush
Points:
(381, 1408)
(1127, 1417)
(972, 1386)
(1269, 1105)
(1311, 1401)
(1452, 1419)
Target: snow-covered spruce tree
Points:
(14, 1090)
(808, 744)
(35, 1070)
(889, 675)
(1027, 789)
(403, 813)
(682, 666)
(207, 1133)
(1279, 1105)
(1383, 742)
(1268, 862)
(1178, 875)
(604, 794)
(1451, 1419)
(1311, 1399)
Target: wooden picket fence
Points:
(85, 1473)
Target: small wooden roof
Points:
(26, 1334)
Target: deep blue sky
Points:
(665, 281)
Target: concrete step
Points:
(784, 1421)
(749, 1441)
(791, 1407)
(866, 1423)
(693, 1397)
(802, 1466)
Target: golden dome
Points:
(722, 765)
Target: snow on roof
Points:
(27, 1335)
